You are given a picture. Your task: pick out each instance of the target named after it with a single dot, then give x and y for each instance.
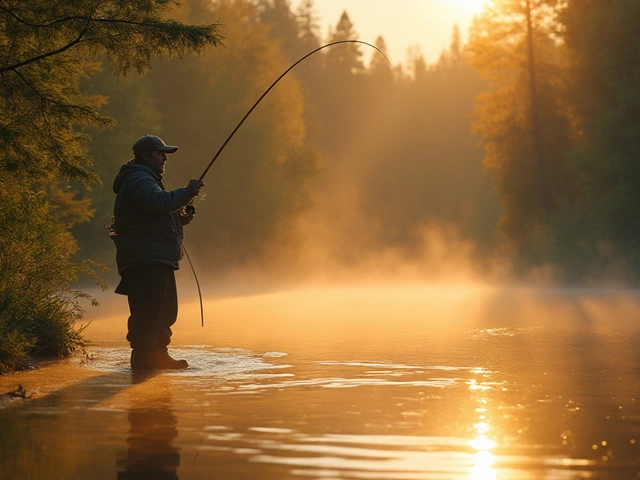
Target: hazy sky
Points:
(402, 23)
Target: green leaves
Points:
(46, 46)
(46, 49)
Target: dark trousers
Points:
(153, 304)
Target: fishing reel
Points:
(190, 209)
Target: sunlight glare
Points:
(483, 466)
(482, 443)
(471, 6)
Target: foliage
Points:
(527, 101)
(603, 39)
(586, 68)
(38, 308)
(46, 49)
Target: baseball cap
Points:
(151, 142)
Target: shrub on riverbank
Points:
(38, 309)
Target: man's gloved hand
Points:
(194, 186)
(186, 217)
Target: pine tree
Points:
(308, 26)
(605, 89)
(508, 114)
(380, 68)
(283, 26)
(346, 59)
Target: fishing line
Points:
(197, 283)
(186, 253)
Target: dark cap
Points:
(151, 142)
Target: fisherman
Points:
(147, 231)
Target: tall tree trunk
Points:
(535, 121)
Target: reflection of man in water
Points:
(150, 451)
(147, 231)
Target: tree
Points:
(498, 48)
(283, 26)
(308, 26)
(46, 48)
(44, 54)
(380, 69)
(340, 89)
(602, 38)
(422, 165)
(346, 60)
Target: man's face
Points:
(155, 160)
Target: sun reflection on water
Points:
(483, 459)
(483, 466)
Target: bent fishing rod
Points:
(215, 157)
(191, 208)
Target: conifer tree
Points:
(380, 68)
(346, 60)
(308, 26)
(284, 25)
(498, 49)
(605, 89)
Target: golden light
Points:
(483, 459)
(482, 443)
(483, 466)
(471, 6)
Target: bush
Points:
(38, 309)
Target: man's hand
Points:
(194, 186)
(185, 217)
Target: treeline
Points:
(349, 153)
(561, 132)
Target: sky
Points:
(402, 23)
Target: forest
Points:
(514, 157)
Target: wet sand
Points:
(403, 382)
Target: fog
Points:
(348, 172)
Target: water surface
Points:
(409, 382)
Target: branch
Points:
(41, 25)
(48, 54)
(89, 20)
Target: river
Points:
(359, 382)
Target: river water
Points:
(404, 382)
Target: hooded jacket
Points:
(146, 227)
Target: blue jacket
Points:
(146, 218)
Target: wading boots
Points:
(156, 358)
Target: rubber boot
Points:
(163, 361)
(142, 359)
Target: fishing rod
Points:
(202, 196)
(215, 157)
(190, 208)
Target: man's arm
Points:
(149, 197)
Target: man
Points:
(147, 231)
